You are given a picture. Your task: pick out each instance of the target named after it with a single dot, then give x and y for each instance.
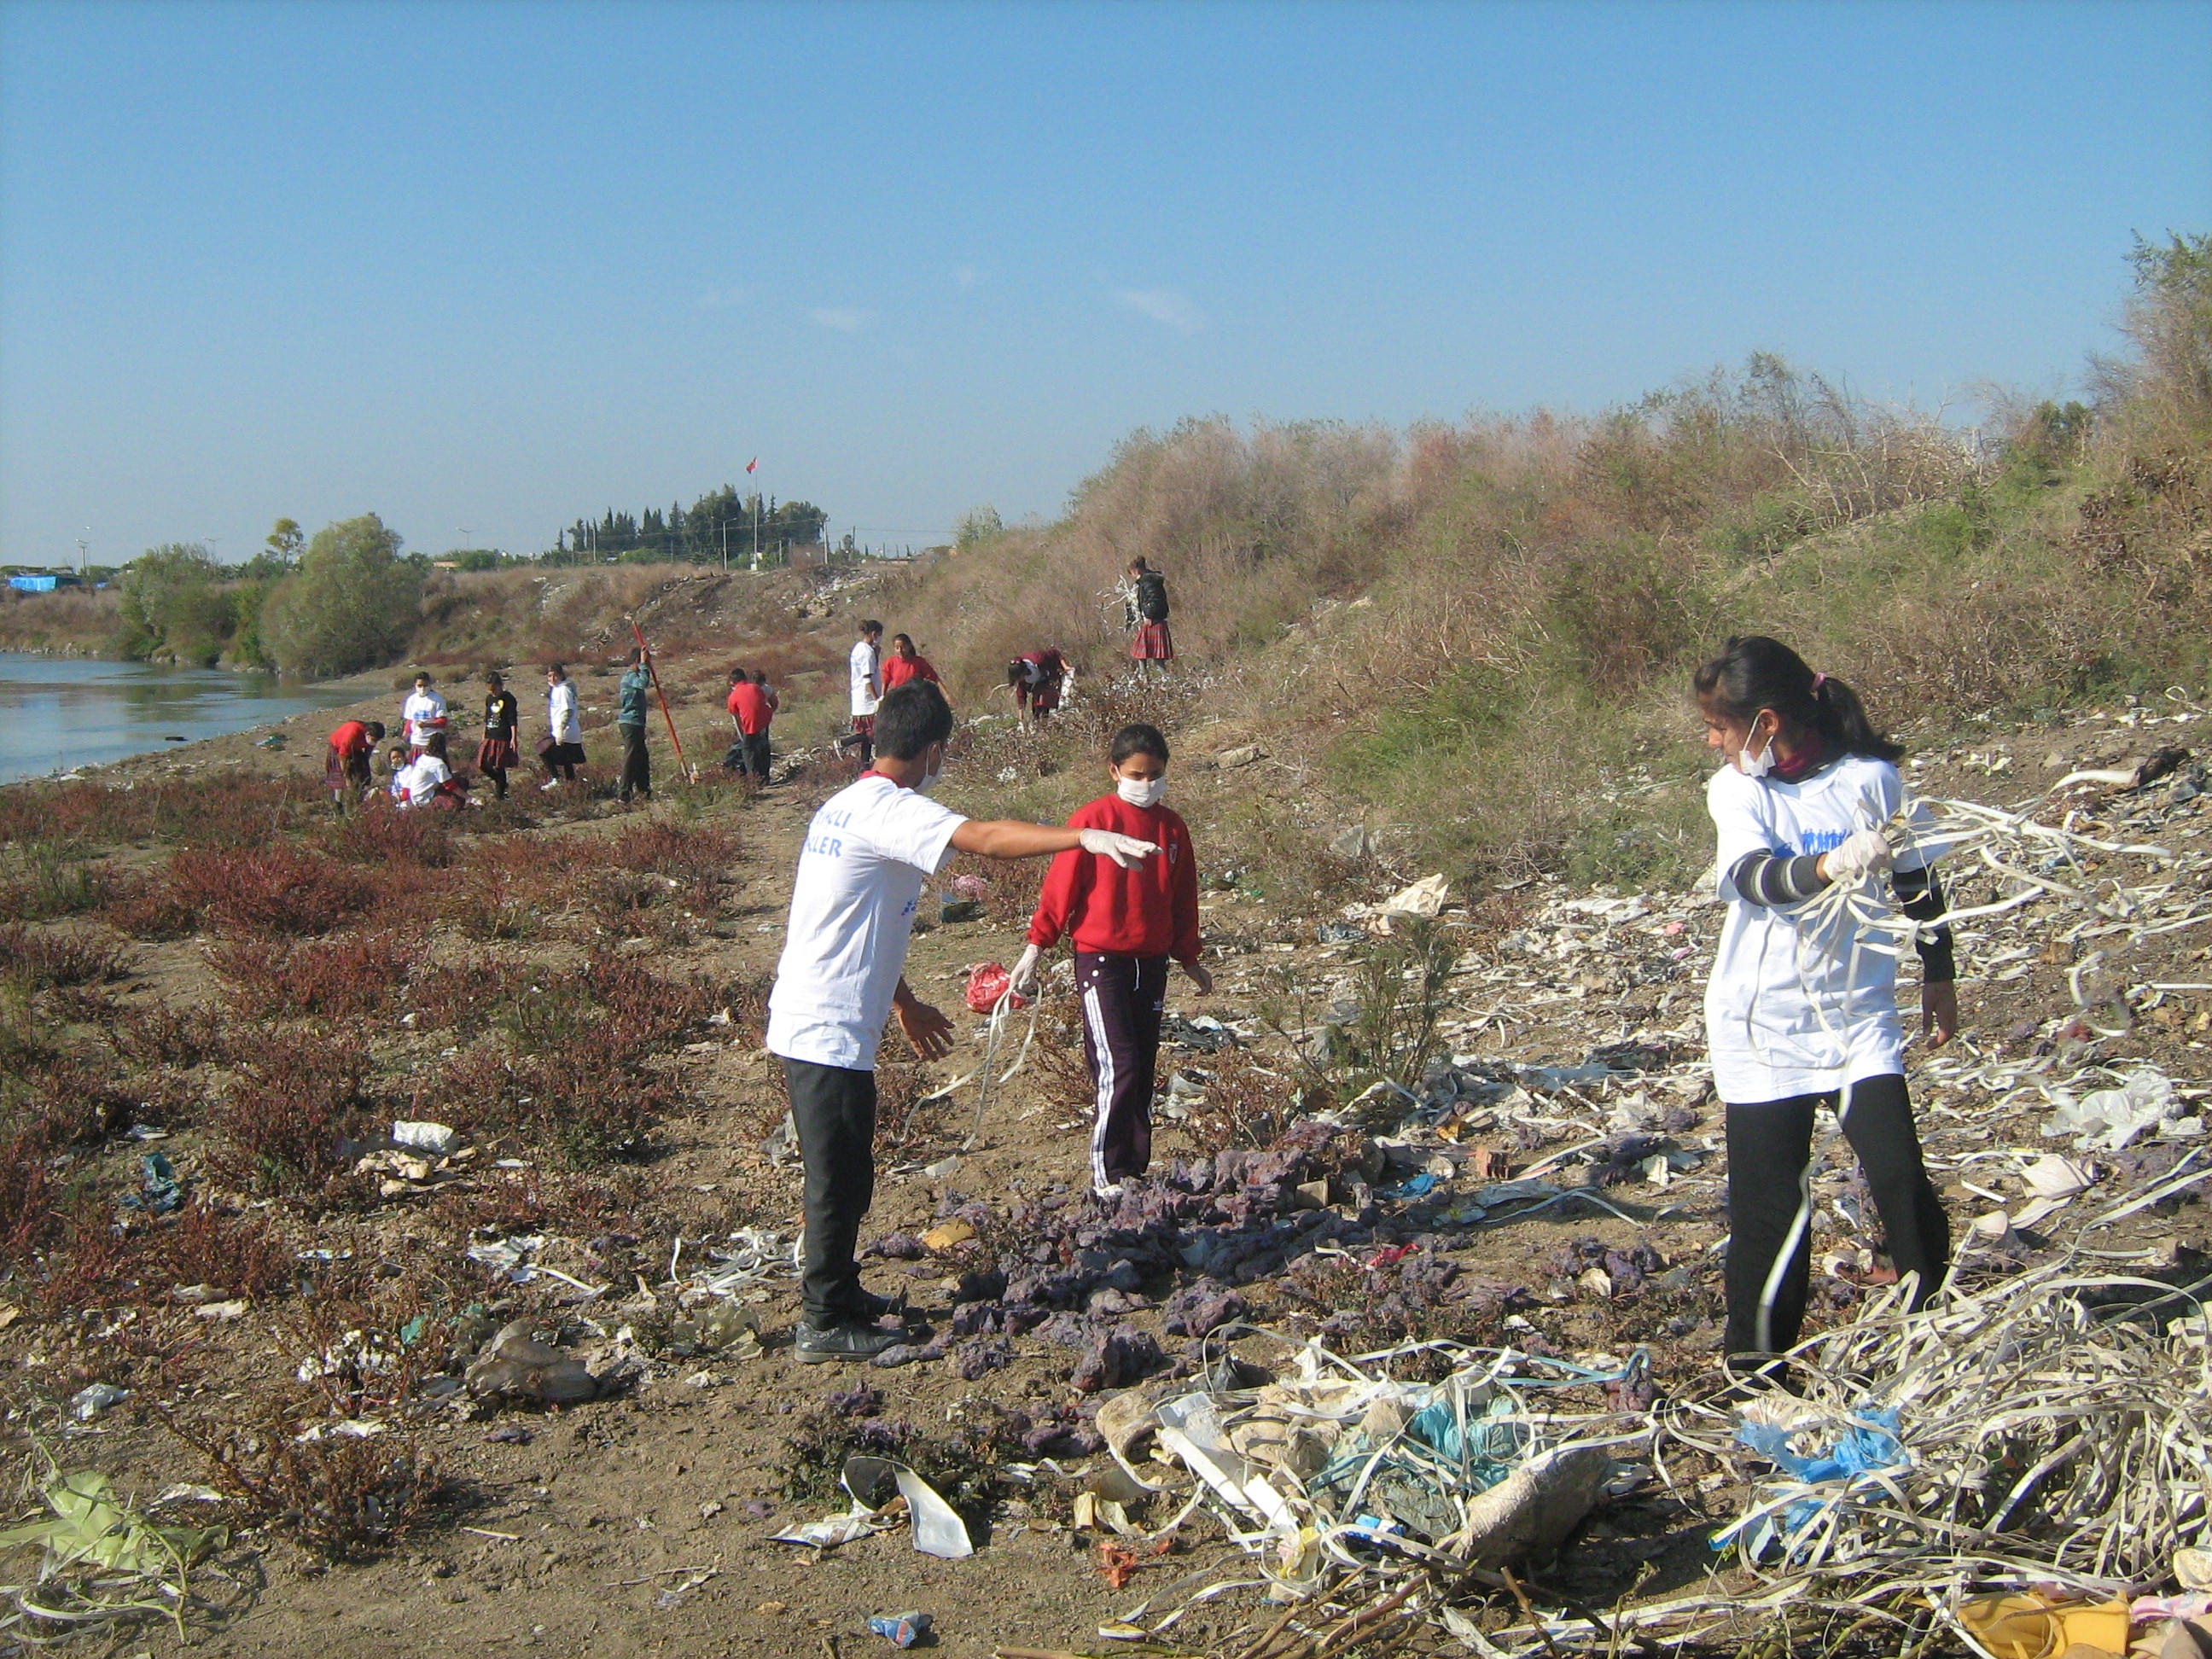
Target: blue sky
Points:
(494, 265)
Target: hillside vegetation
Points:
(1482, 632)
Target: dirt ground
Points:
(643, 1522)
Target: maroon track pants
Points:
(1122, 1000)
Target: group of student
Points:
(421, 774)
(1801, 1011)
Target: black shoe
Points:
(847, 1338)
(868, 1307)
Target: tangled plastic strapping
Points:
(1333, 1473)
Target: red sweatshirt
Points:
(898, 670)
(749, 705)
(1148, 910)
(352, 741)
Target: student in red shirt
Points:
(750, 709)
(903, 664)
(346, 768)
(1126, 924)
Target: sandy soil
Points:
(642, 1523)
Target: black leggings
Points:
(1770, 1148)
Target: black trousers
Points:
(636, 763)
(1770, 1253)
(1123, 998)
(834, 1109)
(748, 754)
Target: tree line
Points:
(347, 600)
(720, 522)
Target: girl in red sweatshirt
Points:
(1125, 924)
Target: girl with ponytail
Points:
(1800, 1012)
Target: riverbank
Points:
(230, 975)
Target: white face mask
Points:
(1755, 766)
(929, 779)
(1141, 792)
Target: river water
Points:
(58, 713)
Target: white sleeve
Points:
(1733, 801)
(915, 830)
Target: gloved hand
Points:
(1124, 850)
(1024, 980)
(1864, 853)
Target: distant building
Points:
(43, 582)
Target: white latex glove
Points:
(1863, 853)
(1024, 978)
(1124, 850)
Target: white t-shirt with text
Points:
(868, 851)
(423, 712)
(867, 679)
(1795, 1007)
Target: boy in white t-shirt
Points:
(867, 666)
(423, 712)
(867, 852)
(1802, 1013)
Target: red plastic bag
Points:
(988, 984)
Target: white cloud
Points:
(716, 299)
(844, 318)
(964, 278)
(1164, 305)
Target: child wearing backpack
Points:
(1152, 647)
(1127, 924)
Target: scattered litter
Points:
(101, 1561)
(159, 1191)
(1314, 1467)
(881, 1491)
(901, 1630)
(434, 1139)
(2107, 1120)
(514, 1367)
(89, 1401)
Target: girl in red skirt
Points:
(503, 717)
(1152, 647)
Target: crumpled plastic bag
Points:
(513, 1366)
(1868, 1446)
(2106, 1120)
(988, 985)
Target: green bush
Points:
(175, 605)
(353, 603)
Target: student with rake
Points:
(1801, 1009)
(867, 853)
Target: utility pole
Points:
(83, 560)
(757, 529)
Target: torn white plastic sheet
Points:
(937, 1527)
(2107, 1120)
(1191, 1430)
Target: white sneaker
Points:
(549, 785)
(1110, 1192)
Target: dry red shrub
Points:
(273, 890)
(351, 976)
(279, 1126)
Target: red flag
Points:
(753, 462)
